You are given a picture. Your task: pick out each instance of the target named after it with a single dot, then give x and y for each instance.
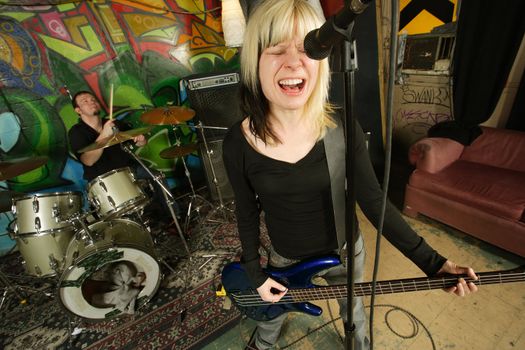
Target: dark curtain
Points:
(488, 37)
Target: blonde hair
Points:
(272, 22)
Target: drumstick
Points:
(111, 103)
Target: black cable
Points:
(413, 319)
(388, 156)
(415, 322)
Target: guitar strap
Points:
(335, 150)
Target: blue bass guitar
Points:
(298, 279)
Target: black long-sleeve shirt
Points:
(82, 135)
(296, 201)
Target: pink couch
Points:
(478, 189)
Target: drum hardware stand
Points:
(227, 213)
(79, 218)
(193, 197)
(9, 287)
(165, 192)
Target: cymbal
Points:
(6, 199)
(15, 167)
(119, 137)
(167, 115)
(178, 151)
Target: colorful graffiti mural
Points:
(142, 48)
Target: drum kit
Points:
(104, 263)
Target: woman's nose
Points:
(293, 58)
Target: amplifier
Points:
(212, 81)
(215, 98)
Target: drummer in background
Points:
(92, 128)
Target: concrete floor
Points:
(491, 319)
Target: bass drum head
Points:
(114, 274)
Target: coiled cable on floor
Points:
(415, 322)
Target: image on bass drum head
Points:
(111, 276)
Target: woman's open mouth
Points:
(292, 85)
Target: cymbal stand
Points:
(194, 196)
(227, 213)
(167, 194)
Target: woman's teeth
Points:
(291, 83)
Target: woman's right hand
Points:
(271, 291)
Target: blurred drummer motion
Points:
(96, 143)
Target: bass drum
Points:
(109, 271)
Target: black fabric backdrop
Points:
(488, 37)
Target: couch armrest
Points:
(433, 154)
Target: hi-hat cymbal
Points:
(119, 137)
(178, 151)
(15, 167)
(169, 115)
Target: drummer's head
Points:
(85, 103)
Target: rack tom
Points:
(116, 193)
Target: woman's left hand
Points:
(462, 288)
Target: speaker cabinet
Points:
(215, 98)
(213, 158)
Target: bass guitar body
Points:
(246, 297)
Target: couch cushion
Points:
(501, 148)
(495, 190)
(433, 154)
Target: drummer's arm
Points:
(91, 157)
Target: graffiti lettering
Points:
(426, 95)
(421, 116)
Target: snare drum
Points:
(116, 193)
(110, 270)
(44, 213)
(44, 255)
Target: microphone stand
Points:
(348, 66)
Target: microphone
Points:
(319, 42)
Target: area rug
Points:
(184, 312)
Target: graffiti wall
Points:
(141, 48)
(423, 98)
(420, 102)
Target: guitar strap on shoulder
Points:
(335, 150)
